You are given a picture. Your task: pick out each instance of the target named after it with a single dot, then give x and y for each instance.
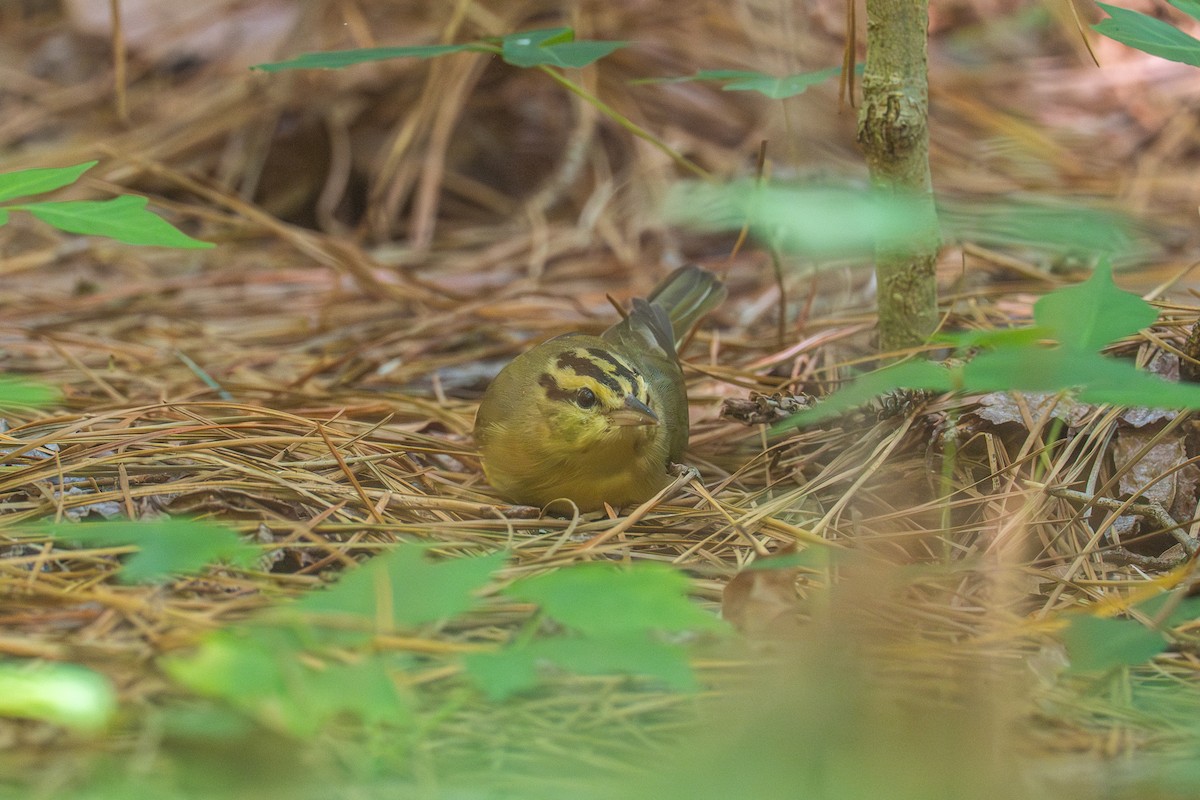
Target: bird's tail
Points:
(672, 309)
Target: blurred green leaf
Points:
(605, 599)
(818, 221)
(16, 393)
(826, 221)
(26, 182)
(554, 47)
(62, 694)
(1047, 223)
(1095, 313)
(1098, 644)
(123, 218)
(737, 80)
(1189, 7)
(1188, 609)
(517, 669)
(405, 588)
(987, 339)
(164, 548)
(259, 670)
(781, 88)
(1150, 35)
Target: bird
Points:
(597, 419)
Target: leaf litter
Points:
(389, 236)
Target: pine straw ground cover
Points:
(389, 236)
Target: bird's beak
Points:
(635, 412)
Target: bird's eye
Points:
(585, 398)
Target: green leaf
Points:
(818, 221)
(1097, 644)
(403, 586)
(1024, 369)
(16, 393)
(736, 80)
(709, 75)
(164, 548)
(26, 182)
(123, 218)
(1185, 612)
(1117, 382)
(1027, 336)
(1097, 379)
(344, 58)
(551, 47)
(258, 670)
(1046, 223)
(1189, 7)
(62, 694)
(781, 88)
(1095, 313)
(915, 374)
(554, 47)
(512, 670)
(603, 599)
(503, 673)
(1149, 35)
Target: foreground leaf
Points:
(1098, 644)
(603, 599)
(1092, 314)
(1149, 35)
(740, 80)
(26, 182)
(404, 588)
(259, 671)
(163, 548)
(819, 221)
(62, 694)
(517, 669)
(1095, 378)
(916, 374)
(123, 218)
(16, 393)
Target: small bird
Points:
(597, 419)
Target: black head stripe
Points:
(553, 390)
(589, 368)
(618, 368)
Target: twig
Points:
(1149, 508)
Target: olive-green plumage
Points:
(596, 419)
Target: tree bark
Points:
(893, 130)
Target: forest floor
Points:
(389, 235)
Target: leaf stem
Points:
(624, 121)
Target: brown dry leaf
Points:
(1140, 417)
(761, 599)
(1144, 477)
(999, 408)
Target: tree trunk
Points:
(893, 131)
